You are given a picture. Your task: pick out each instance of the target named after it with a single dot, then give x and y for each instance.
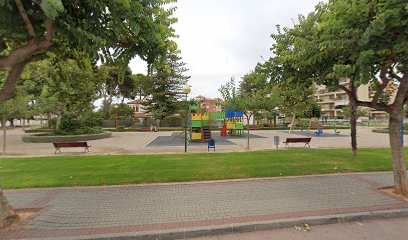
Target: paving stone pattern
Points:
(141, 205)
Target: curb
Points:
(246, 227)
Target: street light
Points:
(186, 90)
(277, 117)
(116, 117)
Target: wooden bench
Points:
(60, 145)
(306, 141)
(145, 129)
(253, 127)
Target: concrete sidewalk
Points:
(170, 211)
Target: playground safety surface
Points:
(177, 139)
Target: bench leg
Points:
(307, 144)
(57, 150)
(86, 149)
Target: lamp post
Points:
(278, 115)
(186, 90)
(116, 117)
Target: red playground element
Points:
(224, 131)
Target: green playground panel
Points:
(239, 126)
(218, 115)
(194, 108)
(205, 123)
(196, 124)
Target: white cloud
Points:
(224, 38)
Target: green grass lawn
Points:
(109, 170)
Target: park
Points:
(135, 119)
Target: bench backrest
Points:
(297, 140)
(211, 143)
(70, 144)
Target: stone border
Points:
(196, 232)
(67, 138)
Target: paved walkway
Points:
(130, 143)
(90, 211)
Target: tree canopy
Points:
(365, 42)
(109, 31)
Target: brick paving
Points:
(91, 211)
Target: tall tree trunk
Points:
(7, 215)
(9, 87)
(4, 124)
(353, 126)
(57, 124)
(11, 120)
(397, 151)
(292, 124)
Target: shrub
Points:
(70, 124)
(92, 120)
(52, 122)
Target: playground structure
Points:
(201, 123)
(233, 124)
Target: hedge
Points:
(39, 130)
(42, 138)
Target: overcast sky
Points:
(224, 38)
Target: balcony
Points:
(340, 102)
(326, 100)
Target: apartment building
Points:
(331, 103)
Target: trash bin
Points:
(276, 140)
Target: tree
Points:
(254, 81)
(361, 112)
(365, 42)
(110, 31)
(305, 49)
(123, 110)
(59, 87)
(17, 107)
(376, 53)
(167, 80)
(294, 99)
(239, 100)
(142, 86)
(314, 111)
(114, 82)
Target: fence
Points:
(171, 122)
